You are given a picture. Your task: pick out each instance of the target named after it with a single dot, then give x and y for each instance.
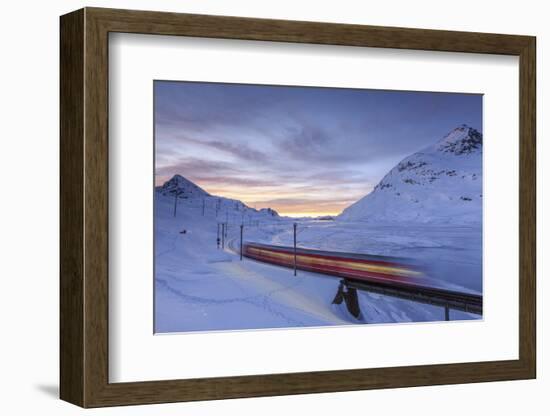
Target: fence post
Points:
(242, 226)
(175, 201)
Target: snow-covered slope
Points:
(441, 183)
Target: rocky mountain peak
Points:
(184, 187)
(460, 141)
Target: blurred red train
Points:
(380, 269)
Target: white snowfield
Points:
(200, 287)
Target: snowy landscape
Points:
(427, 208)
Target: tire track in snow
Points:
(261, 301)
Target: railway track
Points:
(390, 276)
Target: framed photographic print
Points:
(256, 207)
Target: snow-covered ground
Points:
(427, 208)
(199, 287)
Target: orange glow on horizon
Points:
(308, 214)
(313, 209)
(291, 201)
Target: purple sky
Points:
(301, 151)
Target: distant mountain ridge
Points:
(186, 189)
(442, 183)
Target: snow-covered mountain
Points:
(192, 195)
(184, 187)
(441, 183)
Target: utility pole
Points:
(176, 193)
(295, 225)
(242, 226)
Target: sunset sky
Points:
(301, 151)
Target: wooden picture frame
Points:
(84, 207)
